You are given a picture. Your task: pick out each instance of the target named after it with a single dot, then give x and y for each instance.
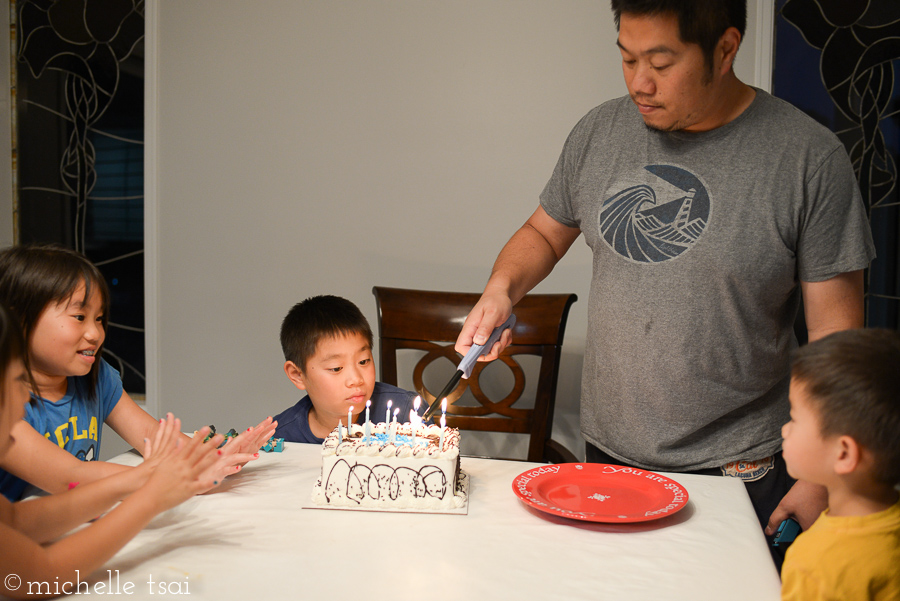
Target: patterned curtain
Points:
(78, 149)
(838, 61)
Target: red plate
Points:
(597, 492)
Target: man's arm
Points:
(833, 305)
(829, 306)
(528, 257)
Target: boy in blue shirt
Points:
(327, 346)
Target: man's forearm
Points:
(523, 263)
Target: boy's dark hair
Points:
(700, 22)
(853, 379)
(33, 277)
(319, 317)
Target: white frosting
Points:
(387, 472)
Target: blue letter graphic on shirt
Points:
(642, 224)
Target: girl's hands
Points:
(161, 447)
(251, 440)
(169, 440)
(226, 461)
(242, 449)
(185, 469)
(168, 431)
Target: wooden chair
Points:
(430, 321)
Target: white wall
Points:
(326, 146)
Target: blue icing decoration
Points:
(399, 440)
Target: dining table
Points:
(256, 537)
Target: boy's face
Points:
(339, 376)
(809, 456)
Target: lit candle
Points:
(395, 425)
(443, 427)
(367, 427)
(387, 415)
(444, 406)
(412, 428)
(418, 420)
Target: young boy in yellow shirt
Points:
(327, 345)
(844, 434)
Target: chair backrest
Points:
(430, 321)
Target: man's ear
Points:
(295, 374)
(849, 455)
(727, 49)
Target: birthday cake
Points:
(394, 466)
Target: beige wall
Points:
(325, 146)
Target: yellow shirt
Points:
(846, 559)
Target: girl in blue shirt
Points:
(62, 302)
(31, 550)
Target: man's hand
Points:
(490, 311)
(527, 258)
(804, 502)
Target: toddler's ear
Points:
(295, 374)
(849, 455)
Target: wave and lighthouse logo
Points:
(654, 223)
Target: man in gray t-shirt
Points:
(698, 242)
(710, 206)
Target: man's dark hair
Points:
(852, 379)
(319, 317)
(700, 22)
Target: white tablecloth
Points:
(251, 540)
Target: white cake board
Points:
(464, 510)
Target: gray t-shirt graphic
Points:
(641, 227)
